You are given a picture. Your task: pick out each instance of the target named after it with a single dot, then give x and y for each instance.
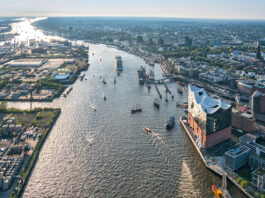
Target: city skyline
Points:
(235, 9)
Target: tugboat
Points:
(170, 123)
(156, 103)
(147, 130)
(180, 91)
(217, 192)
(136, 109)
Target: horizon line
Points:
(131, 16)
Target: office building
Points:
(237, 157)
(256, 144)
(258, 178)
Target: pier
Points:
(158, 92)
(168, 90)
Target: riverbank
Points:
(210, 164)
(35, 127)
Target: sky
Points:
(226, 9)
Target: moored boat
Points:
(217, 192)
(180, 91)
(182, 84)
(156, 103)
(118, 63)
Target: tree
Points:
(256, 195)
(244, 184)
(239, 180)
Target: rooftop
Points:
(237, 151)
(207, 103)
(260, 171)
(247, 138)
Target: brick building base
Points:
(212, 139)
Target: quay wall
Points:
(205, 163)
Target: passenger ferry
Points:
(118, 63)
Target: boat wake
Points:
(157, 136)
(93, 107)
(90, 139)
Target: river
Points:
(106, 153)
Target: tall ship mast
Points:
(118, 63)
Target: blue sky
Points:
(235, 9)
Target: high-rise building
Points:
(257, 101)
(187, 41)
(160, 41)
(140, 39)
(258, 53)
(209, 118)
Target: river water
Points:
(106, 153)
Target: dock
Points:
(158, 92)
(215, 168)
(168, 90)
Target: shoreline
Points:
(30, 164)
(210, 168)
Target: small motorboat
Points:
(170, 123)
(147, 130)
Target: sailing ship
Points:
(136, 108)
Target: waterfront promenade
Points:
(214, 164)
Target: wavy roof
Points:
(207, 103)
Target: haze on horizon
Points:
(225, 9)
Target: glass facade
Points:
(209, 123)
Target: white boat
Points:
(118, 63)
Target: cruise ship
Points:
(118, 63)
